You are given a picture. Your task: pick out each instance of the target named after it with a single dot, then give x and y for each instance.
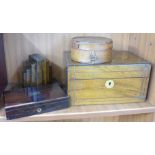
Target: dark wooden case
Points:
(32, 100)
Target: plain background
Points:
(70, 16)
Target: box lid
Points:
(31, 95)
(118, 58)
(91, 43)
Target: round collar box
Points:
(91, 50)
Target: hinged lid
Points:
(33, 95)
(118, 58)
(123, 65)
(91, 43)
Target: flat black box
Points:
(34, 100)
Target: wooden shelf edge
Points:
(81, 112)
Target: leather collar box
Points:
(30, 101)
(123, 80)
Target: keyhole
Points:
(109, 84)
(39, 110)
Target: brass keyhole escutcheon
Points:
(109, 84)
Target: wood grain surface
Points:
(95, 92)
(91, 49)
(113, 112)
(143, 44)
(96, 72)
(85, 56)
(87, 83)
(19, 46)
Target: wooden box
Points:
(123, 80)
(34, 100)
(92, 50)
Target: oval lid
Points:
(91, 40)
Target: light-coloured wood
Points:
(120, 41)
(124, 118)
(88, 112)
(136, 118)
(144, 46)
(87, 72)
(88, 84)
(100, 84)
(91, 49)
(97, 56)
(18, 46)
(100, 119)
(83, 91)
(109, 100)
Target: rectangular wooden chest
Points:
(123, 80)
(34, 100)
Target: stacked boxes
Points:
(36, 71)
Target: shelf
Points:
(90, 111)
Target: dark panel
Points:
(3, 74)
(29, 101)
